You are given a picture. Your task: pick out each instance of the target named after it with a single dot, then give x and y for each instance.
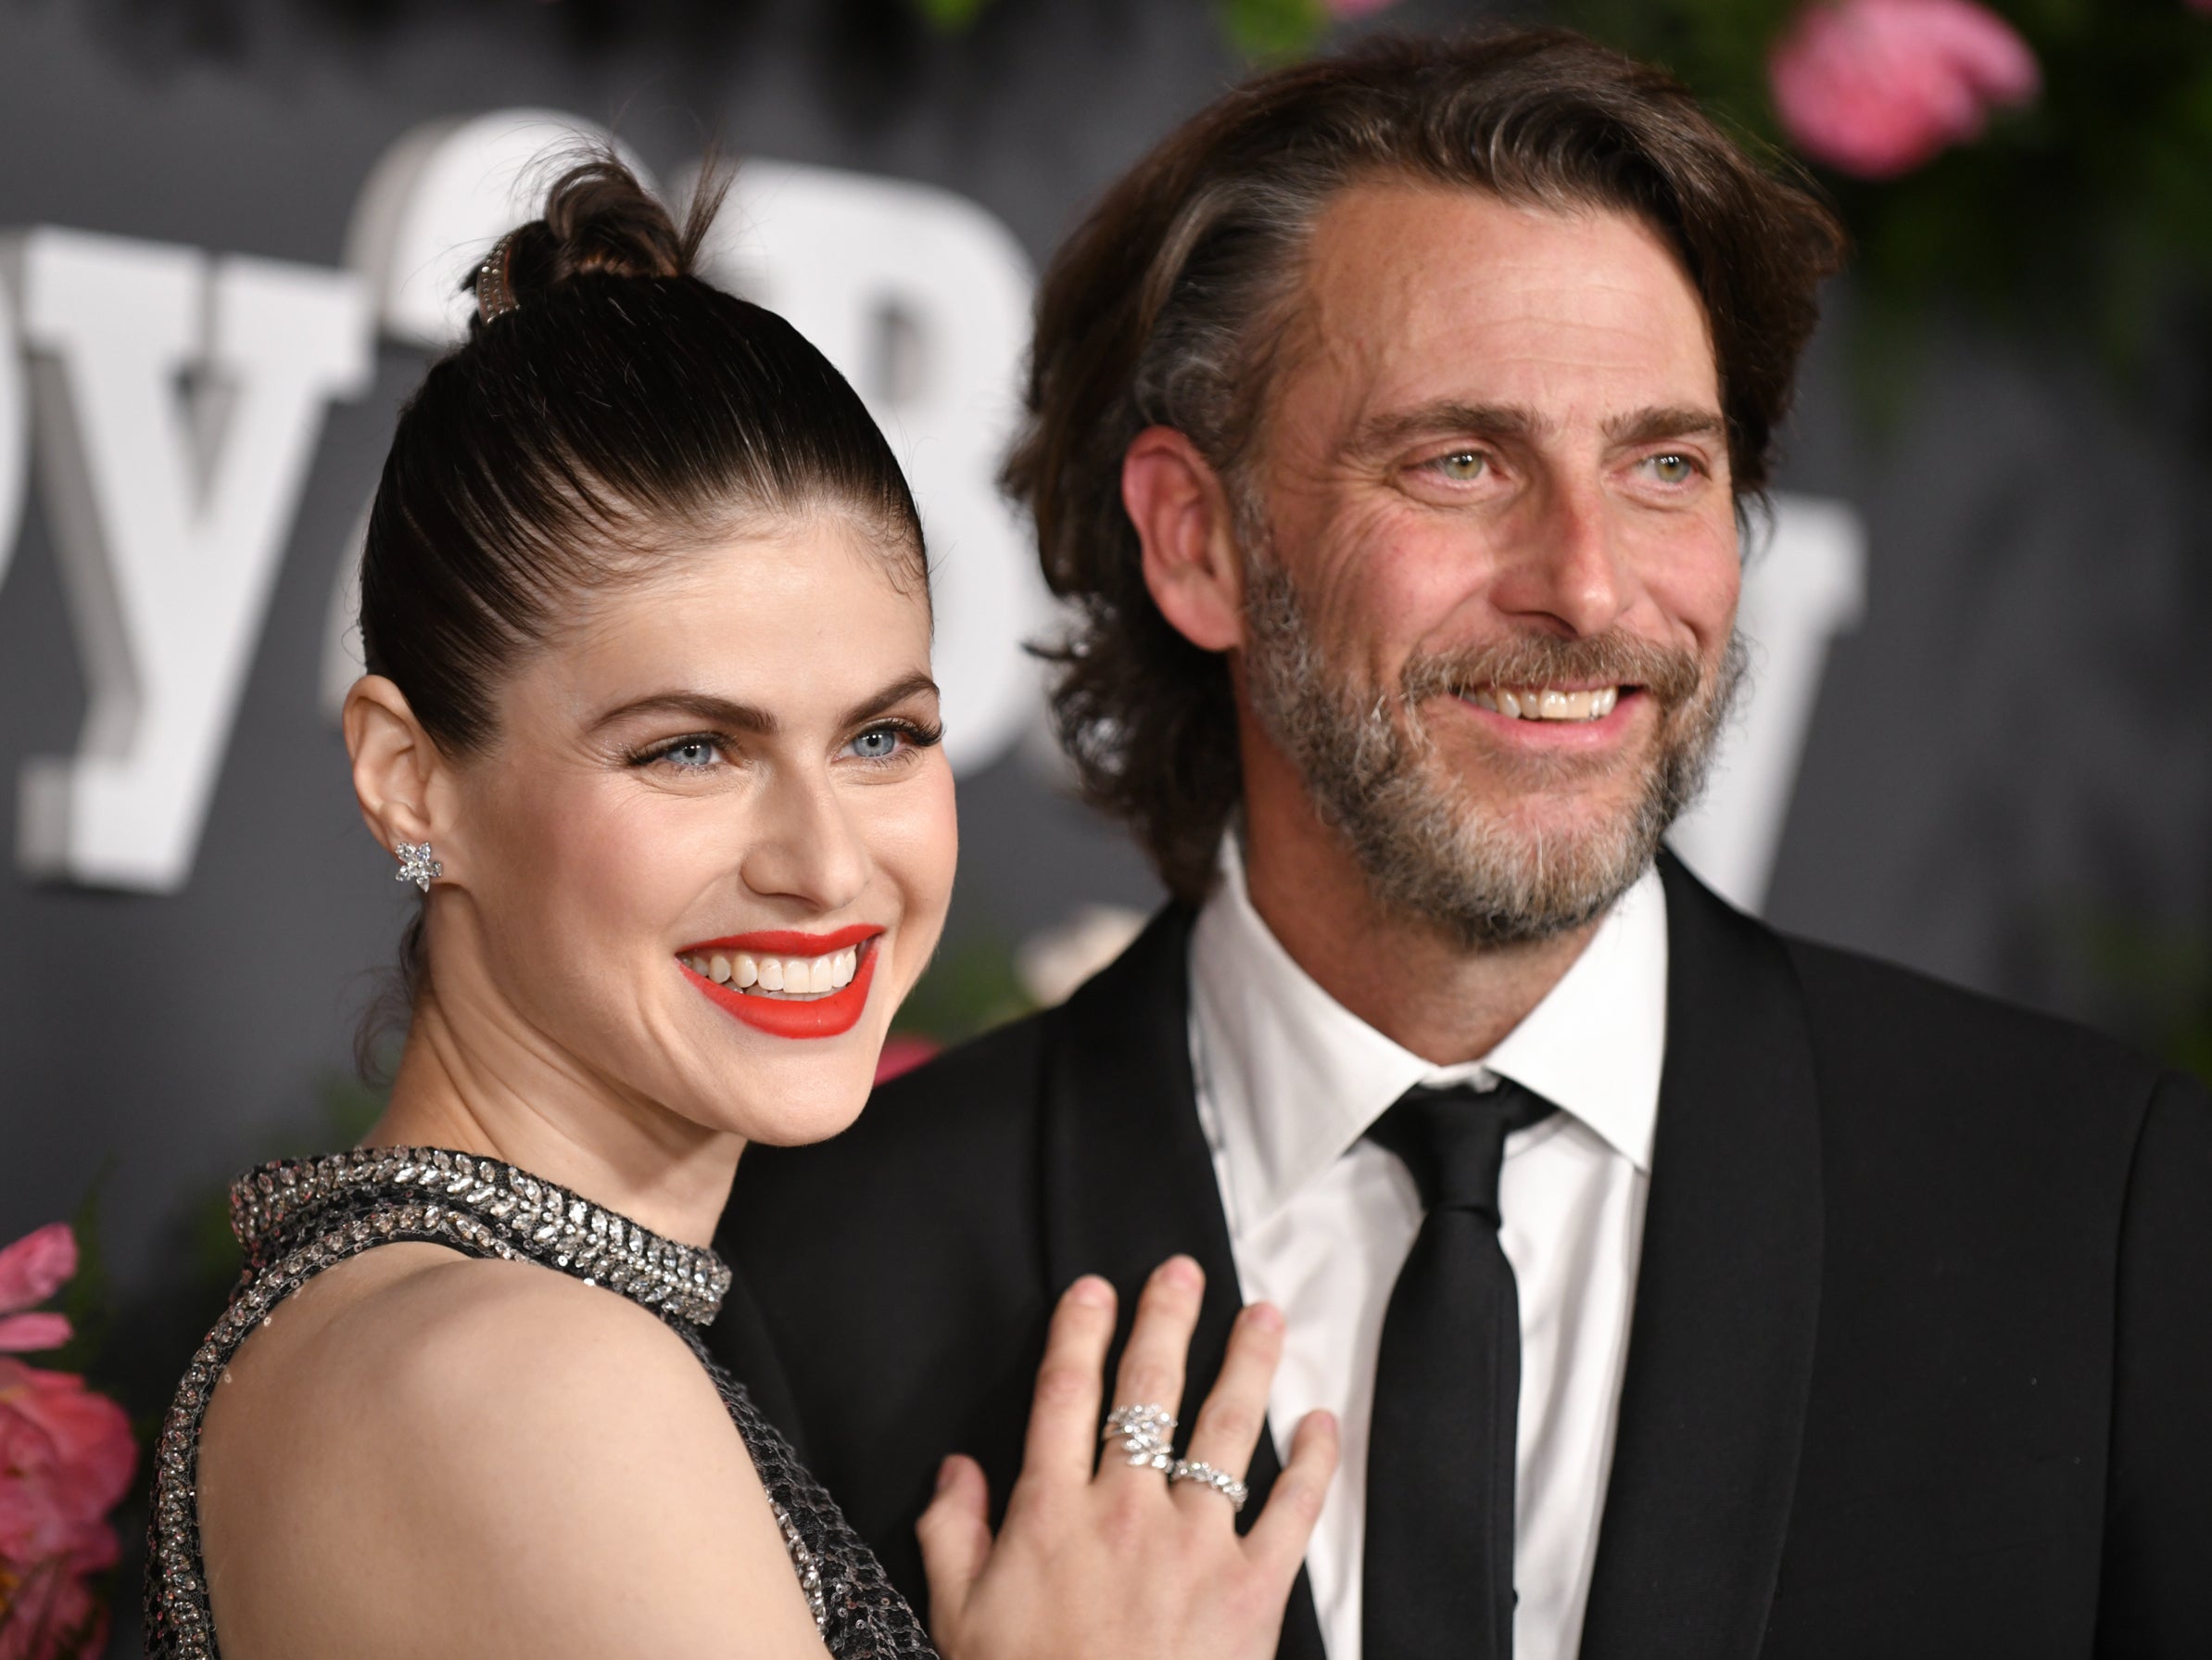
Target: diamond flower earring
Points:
(416, 864)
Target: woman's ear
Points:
(1188, 532)
(396, 766)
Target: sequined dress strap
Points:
(298, 1219)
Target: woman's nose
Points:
(806, 847)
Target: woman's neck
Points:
(487, 1092)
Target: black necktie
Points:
(1438, 1574)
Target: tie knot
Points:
(1452, 1141)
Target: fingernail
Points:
(1266, 1316)
(944, 1475)
(1181, 1271)
(1092, 1292)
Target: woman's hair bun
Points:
(600, 220)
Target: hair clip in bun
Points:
(495, 294)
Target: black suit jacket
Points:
(1921, 1356)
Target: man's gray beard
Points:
(1430, 852)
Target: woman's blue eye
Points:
(878, 744)
(692, 752)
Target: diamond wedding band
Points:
(1219, 1481)
(1144, 1432)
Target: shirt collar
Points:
(1291, 1078)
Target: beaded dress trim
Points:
(298, 1218)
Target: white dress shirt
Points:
(1320, 1221)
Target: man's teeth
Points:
(794, 976)
(1544, 702)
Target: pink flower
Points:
(50, 1614)
(32, 1270)
(66, 1459)
(903, 1051)
(36, 1266)
(1877, 87)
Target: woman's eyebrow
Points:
(898, 691)
(732, 716)
(700, 706)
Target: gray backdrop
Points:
(2009, 760)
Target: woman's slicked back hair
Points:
(611, 408)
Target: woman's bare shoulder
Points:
(434, 1440)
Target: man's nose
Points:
(805, 846)
(1565, 568)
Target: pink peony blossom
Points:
(27, 1334)
(903, 1051)
(49, 1614)
(32, 1270)
(36, 1266)
(66, 1459)
(1877, 87)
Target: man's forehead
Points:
(1422, 293)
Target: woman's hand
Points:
(1122, 1563)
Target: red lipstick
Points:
(794, 1017)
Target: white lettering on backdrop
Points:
(170, 515)
(15, 429)
(1804, 586)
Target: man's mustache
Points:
(1672, 676)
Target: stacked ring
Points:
(1219, 1481)
(1144, 1432)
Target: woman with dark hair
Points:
(649, 719)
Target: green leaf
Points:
(968, 987)
(1270, 29)
(88, 1298)
(950, 17)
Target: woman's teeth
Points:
(785, 976)
(1543, 703)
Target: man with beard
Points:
(1679, 1289)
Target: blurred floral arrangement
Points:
(983, 982)
(2043, 161)
(67, 1457)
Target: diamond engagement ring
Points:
(1144, 1432)
(1220, 1481)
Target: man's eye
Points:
(1463, 466)
(1673, 469)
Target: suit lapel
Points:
(1128, 1178)
(1720, 1351)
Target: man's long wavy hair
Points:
(1169, 304)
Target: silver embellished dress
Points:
(299, 1218)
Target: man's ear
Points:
(396, 768)
(1188, 531)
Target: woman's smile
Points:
(787, 984)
